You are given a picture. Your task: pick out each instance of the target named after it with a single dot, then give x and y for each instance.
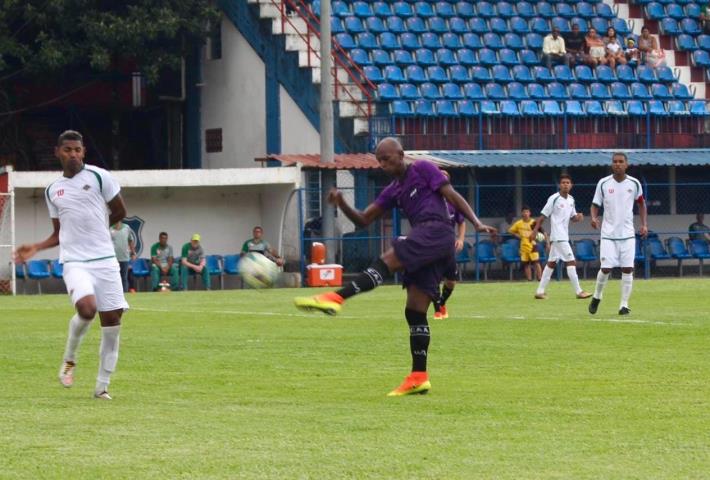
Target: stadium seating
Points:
(462, 258)
(38, 270)
(656, 249)
(57, 269)
(584, 252)
(509, 255)
(141, 269)
(700, 250)
(486, 255)
(677, 249)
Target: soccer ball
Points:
(258, 271)
(540, 237)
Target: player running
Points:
(420, 190)
(617, 248)
(77, 206)
(560, 209)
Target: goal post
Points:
(7, 233)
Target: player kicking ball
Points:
(77, 206)
(560, 210)
(419, 189)
(616, 194)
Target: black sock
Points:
(418, 338)
(445, 294)
(372, 277)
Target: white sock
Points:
(574, 279)
(77, 328)
(627, 281)
(601, 283)
(108, 356)
(544, 279)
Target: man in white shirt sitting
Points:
(553, 49)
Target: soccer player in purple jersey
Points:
(421, 191)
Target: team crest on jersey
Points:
(86, 187)
(136, 223)
(611, 190)
(60, 192)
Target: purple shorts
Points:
(427, 253)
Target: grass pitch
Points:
(238, 384)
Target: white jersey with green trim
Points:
(617, 199)
(559, 210)
(79, 203)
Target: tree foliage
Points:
(46, 36)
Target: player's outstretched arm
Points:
(360, 218)
(448, 192)
(27, 251)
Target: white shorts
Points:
(561, 251)
(617, 253)
(101, 278)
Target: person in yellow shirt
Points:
(528, 253)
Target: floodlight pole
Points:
(328, 175)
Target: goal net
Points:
(7, 233)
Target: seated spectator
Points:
(596, 48)
(647, 44)
(698, 230)
(193, 262)
(259, 245)
(553, 49)
(162, 263)
(614, 49)
(705, 19)
(124, 241)
(633, 55)
(574, 44)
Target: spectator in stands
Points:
(504, 226)
(553, 49)
(528, 254)
(259, 245)
(124, 241)
(647, 44)
(705, 19)
(163, 263)
(633, 55)
(698, 230)
(574, 43)
(614, 49)
(193, 262)
(596, 48)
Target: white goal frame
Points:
(9, 208)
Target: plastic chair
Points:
(700, 250)
(537, 92)
(446, 57)
(542, 74)
(620, 91)
(599, 91)
(495, 91)
(516, 91)
(38, 270)
(551, 108)
(466, 108)
(521, 73)
(214, 267)
(656, 249)
(625, 74)
(401, 108)
(408, 91)
(605, 74)
(508, 57)
(501, 74)
(381, 58)
(677, 249)
(452, 91)
(140, 268)
(474, 91)
(509, 255)
(486, 255)
(462, 258)
(573, 108)
(530, 108)
(57, 269)
(584, 252)
(557, 91)
(614, 107)
(563, 74)
(528, 57)
(487, 57)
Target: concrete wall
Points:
(297, 133)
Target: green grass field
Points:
(238, 384)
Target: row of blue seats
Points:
(668, 2)
(688, 42)
(439, 25)
(657, 11)
(531, 108)
(531, 91)
(519, 73)
(670, 26)
(444, 9)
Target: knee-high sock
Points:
(627, 281)
(419, 337)
(77, 328)
(545, 279)
(108, 356)
(602, 278)
(445, 294)
(574, 279)
(372, 277)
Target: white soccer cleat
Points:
(102, 395)
(66, 374)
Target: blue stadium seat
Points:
(486, 255)
(584, 252)
(403, 9)
(409, 41)
(466, 108)
(640, 91)
(485, 10)
(544, 10)
(657, 107)
(393, 74)
(563, 73)
(387, 91)
(339, 9)
(621, 27)
(509, 255)
(501, 74)
(465, 9)
(492, 40)
(498, 25)
(701, 58)
(600, 25)
(509, 108)
(438, 25)
(381, 58)
(140, 267)
(615, 107)
(645, 74)
(495, 91)
(373, 74)
(375, 25)
(690, 26)
(354, 25)
(586, 10)
(605, 74)
(38, 270)
(640, 254)
(472, 41)
(685, 42)
(557, 91)
(366, 40)
(626, 74)
(521, 73)
(466, 57)
(516, 91)
(458, 25)
(540, 26)
(525, 9)
(508, 57)
(446, 57)
(594, 108)
(57, 269)
(665, 75)
(452, 91)
(336, 25)
(436, 74)
(478, 25)
(388, 41)
(403, 58)
(459, 74)
(574, 108)
(429, 91)
(661, 92)
(474, 91)
(424, 108)
(700, 250)
(583, 74)
(362, 9)
(381, 9)
(656, 249)
(445, 108)
(578, 91)
(360, 56)
(529, 58)
(676, 11)
(530, 108)
(620, 91)
(669, 26)
(408, 91)
(599, 91)
(424, 9)
(680, 91)
(519, 25)
(505, 9)
(635, 108)
(425, 57)
(396, 25)
(542, 74)
(416, 25)
(534, 41)
(537, 92)
(692, 10)
(445, 10)
(561, 24)
(513, 41)
(551, 108)
(565, 10)
(345, 40)
(451, 40)
(677, 108)
(654, 11)
(487, 57)
(415, 74)
(698, 108)
(480, 74)
(677, 250)
(489, 107)
(430, 40)
(602, 10)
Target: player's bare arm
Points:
(360, 218)
(538, 225)
(643, 213)
(595, 221)
(117, 207)
(27, 251)
(448, 192)
(461, 236)
(577, 218)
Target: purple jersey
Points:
(455, 216)
(417, 194)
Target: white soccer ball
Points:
(540, 237)
(258, 271)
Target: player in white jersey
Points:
(77, 204)
(616, 194)
(560, 209)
